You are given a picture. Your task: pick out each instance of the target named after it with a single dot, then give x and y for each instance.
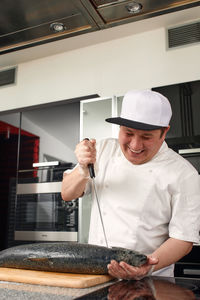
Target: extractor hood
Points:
(29, 23)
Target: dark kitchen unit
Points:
(34, 22)
(46, 133)
(37, 212)
(184, 138)
(185, 126)
(184, 134)
(189, 265)
(8, 165)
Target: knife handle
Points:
(91, 166)
(91, 170)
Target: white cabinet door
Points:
(92, 118)
(93, 113)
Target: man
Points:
(149, 195)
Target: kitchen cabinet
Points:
(92, 118)
(42, 134)
(28, 23)
(9, 133)
(185, 125)
(93, 113)
(57, 128)
(34, 22)
(115, 12)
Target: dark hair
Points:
(162, 130)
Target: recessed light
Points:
(57, 27)
(134, 7)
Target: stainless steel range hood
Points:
(28, 23)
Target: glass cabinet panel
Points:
(49, 134)
(93, 115)
(119, 105)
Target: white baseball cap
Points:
(145, 110)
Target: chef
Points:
(149, 195)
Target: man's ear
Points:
(163, 135)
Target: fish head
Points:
(131, 257)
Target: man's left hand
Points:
(125, 271)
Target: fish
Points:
(68, 257)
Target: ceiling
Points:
(29, 23)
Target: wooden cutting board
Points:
(52, 278)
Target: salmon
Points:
(67, 257)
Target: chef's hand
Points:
(86, 154)
(124, 271)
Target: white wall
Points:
(135, 56)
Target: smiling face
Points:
(140, 146)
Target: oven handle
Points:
(38, 188)
(191, 271)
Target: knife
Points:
(92, 176)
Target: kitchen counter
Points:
(19, 291)
(152, 288)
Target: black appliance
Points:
(189, 265)
(192, 155)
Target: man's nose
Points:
(136, 143)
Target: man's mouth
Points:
(135, 151)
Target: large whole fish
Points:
(68, 257)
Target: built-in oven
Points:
(189, 265)
(192, 155)
(42, 215)
(37, 211)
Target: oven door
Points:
(193, 156)
(189, 265)
(42, 215)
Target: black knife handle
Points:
(91, 170)
(91, 166)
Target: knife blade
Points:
(92, 176)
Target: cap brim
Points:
(132, 124)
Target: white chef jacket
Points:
(143, 205)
